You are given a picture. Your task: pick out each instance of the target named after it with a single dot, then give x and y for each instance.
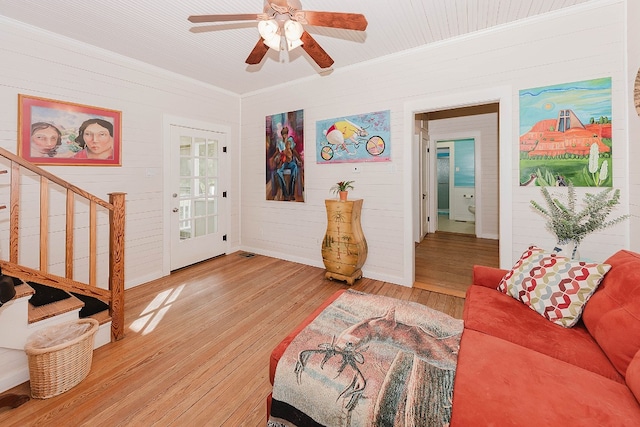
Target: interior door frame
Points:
(424, 192)
(167, 122)
(503, 95)
(433, 208)
(421, 162)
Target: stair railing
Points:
(114, 295)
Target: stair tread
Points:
(102, 317)
(43, 312)
(49, 310)
(24, 290)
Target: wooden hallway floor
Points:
(444, 261)
(197, 346)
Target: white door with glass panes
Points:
(198, 195)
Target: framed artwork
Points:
(284, 156)
(354, 139)
(565, 134)
(54, 132)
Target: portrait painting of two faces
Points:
(61, 133)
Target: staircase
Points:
(18, 318)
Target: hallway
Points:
(451, 226)
(444, 261)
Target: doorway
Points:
(455, 206)
(196, 203)
(197, 226)
(455, 188)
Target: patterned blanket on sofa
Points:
(368, 360)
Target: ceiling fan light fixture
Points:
(270, 31)
(293, 31)
(274, 42)
(268, 28)
(292, 44)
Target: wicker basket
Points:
(59, 366)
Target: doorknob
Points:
(175, 209)
(174, 195)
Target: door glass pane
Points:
(200, 207)
(202, 167)
(201, 145)
(211, 185)
(212, 207)
(185, 209)
(200, 227)
(199, 187)
(212, 148)
(185, 145)
(185, 166)
(185, 187)
(212, 223)
(185, 230)
(212, 166)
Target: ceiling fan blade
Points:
(221, 27)
(258, 52)
(348, 21)
(314, 50)
(197, 19)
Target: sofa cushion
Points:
(499, 383)
(633, 376)
(612, 315)
(489, 311)
(553, 285)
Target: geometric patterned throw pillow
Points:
(553, 285)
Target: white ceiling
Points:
(157, 32)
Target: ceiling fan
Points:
(281, 25)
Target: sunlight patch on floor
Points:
(155, 311)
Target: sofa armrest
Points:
(488, 277)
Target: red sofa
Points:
(516, 368)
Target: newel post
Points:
(116, 264)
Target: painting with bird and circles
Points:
(354, 139)
(565, 134)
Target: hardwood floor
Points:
(444, 261)
(197, 346)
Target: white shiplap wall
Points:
(557, 48)
(38, 63)
(633, 64)
(547, 50)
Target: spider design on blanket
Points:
(350, 357)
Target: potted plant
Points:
(342, 189)
(569, 225)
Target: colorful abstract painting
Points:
(354, 139)
(284, 154)
(565, 134)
